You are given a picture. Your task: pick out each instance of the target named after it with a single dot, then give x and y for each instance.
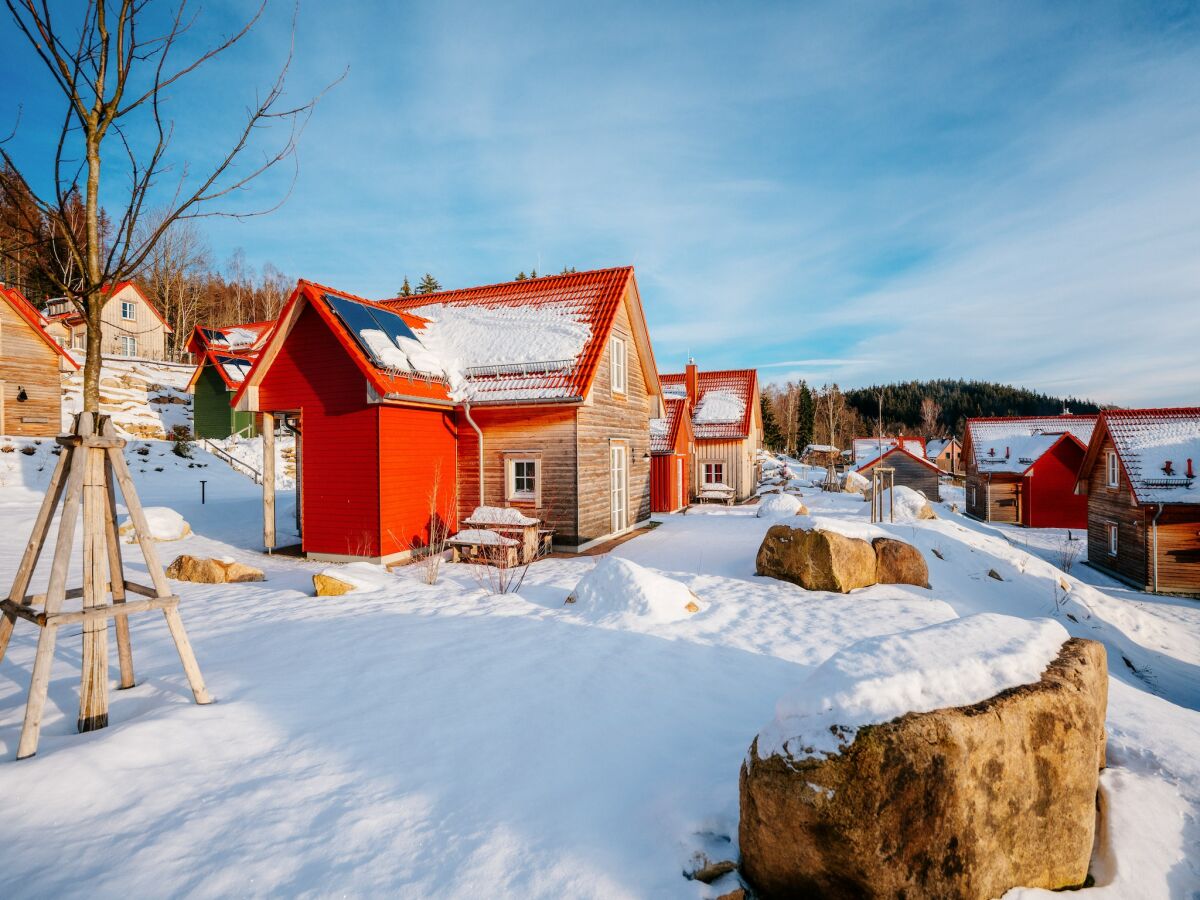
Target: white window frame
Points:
(79, 340)
(1114, 536)
(716, 464)
(511, 493)
(128, 306)
(620, 366)
(128, 345)
(1112, 470)
(618, 486)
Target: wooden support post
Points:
(38, 685)
(268, 476)
(93, 684)
(116, 571)
(190, 667)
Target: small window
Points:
(523, 479)
(620, 366)
(79, 339)
(971, 494)
(127, 310)
(714, 473)
(128, 345)
(1112, 539)
(1112, 470)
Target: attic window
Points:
(620, 366)
(1112, 471)
(127, 310)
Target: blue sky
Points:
(849, 192)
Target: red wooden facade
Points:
(359, 460)
(671, 444)
(1048, 498)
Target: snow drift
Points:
(779, 506)
(618, 590)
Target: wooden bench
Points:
(503, 554)
(715, 494)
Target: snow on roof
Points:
(537, 339)
(867, 449)
(1146, 440)
(715, 420)
(934, 448)
(1014, 444)
(663, 431)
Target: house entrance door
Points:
(619, 490)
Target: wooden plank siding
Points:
(911, 473)
(994, 496)
(548, 434)
(1107, 506)
(738, 459)
(212, 414)
(417, 449)
(1179, 549)
(26, 361)
(607, 418)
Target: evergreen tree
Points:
(567, 271)
(428, 285)
(533, 273)
(521, 276)
(772, 436)
(806, 411)
(405, 289)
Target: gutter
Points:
(1154, 533)
(467, 412)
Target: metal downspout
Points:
(1154, 533)
(471, 422)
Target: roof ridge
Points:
(1153, 410)
(541, 279)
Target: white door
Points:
(619, 492)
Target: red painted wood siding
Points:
(417, 448)
(314, 375)
(667, 492)
(1049, 499)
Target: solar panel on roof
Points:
(359, 318)
(213, 336)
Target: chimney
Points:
(1190, 473)
(693, 383)
(1168, 469)
(1007, 452)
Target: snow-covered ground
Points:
(145, 398)
(437, 741)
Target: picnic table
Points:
(524, 531)
(719, 493)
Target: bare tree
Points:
(114, 70)
(830, 412)
(931, 411)
(173, 277)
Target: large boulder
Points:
(897, 562)
(816, 559)
(964, 802)
(854, 483)
(212, 571)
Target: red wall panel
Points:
(1049, 498)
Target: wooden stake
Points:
(190, 667)
(38, 685)
(93, 684)
(268, 476)
(116, 570)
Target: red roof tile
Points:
(737, 383)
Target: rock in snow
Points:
(816, 559)
(617, 590)
(165, 525)
(357, 576)
(780, 506)
(906, 505)
(897, 562)
(990, 783)
(212, 571)
(853, 483)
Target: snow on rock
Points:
(906, 505)
(719, 406)
(146, 399)
(878, 679)
(618, 590)
(165, 525)
(356, 576)
(854, 483)
(780, 506)
(500, 515)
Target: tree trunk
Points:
(94, 292)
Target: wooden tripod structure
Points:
(89, 466)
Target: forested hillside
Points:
(956, 401)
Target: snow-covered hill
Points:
(146, 399)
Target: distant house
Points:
(535, 395)
(131, 325)
(944, 453)
(1022, 469)
(910, 470)
(1138, 479)
(672, 446)
(30, 365)
(223, 359)
(726, 418)
(866, 449)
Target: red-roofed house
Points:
(672, 445)
(553, 378)
(870, 448)
(727, 426)
(910, 470)
(130, 325)
(30, 365)
(1143, 500)
(1021, 469)
(224, 357)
